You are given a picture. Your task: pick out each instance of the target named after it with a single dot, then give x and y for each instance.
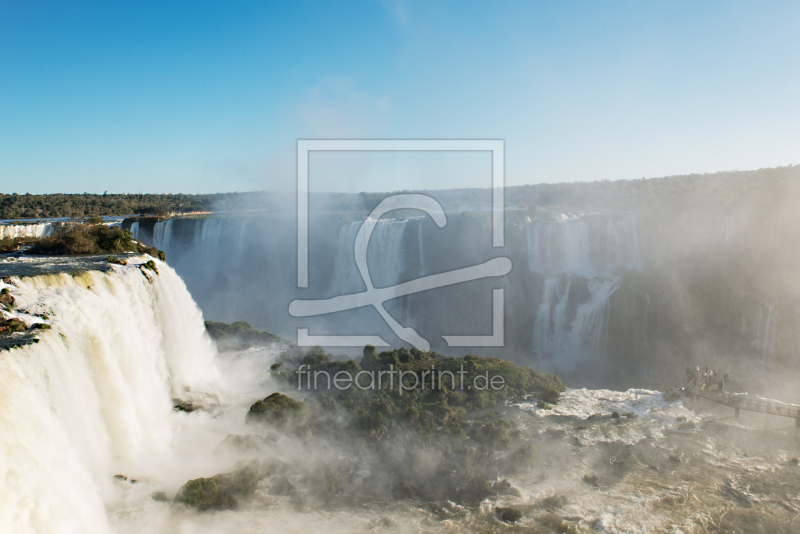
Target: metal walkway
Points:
(738, 402)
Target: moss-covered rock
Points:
(9, 326)
(7, 299)
(222, 491)
(277, 409)
(151, 265)
(116, 261)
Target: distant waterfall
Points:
(584, 246)
(582, 337)
(594, 248)
(385, 256)
(93, 397)
(13, 231)
(764, 336)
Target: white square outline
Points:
(304, 146)
(495, 146)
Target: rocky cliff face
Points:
(610, 299)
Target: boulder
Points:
(509, 515)
(223, 491)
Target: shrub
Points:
(91, 239)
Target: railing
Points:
(753, 405)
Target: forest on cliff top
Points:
(718, 189)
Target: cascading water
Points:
(385, 256)
(93, 397)
(564, 244)
(13, 231)
(592, 250)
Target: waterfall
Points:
(563, 245)
(14, 231)
(162, 235)
(590, 326)
(135, 231)
(93, 397)
(385, 256)
(550, 328)
(593, 248)
(583, 337)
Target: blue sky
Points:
(202, 97)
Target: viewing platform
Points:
(710, 384)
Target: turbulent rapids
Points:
(89, 436)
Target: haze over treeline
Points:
(718, 189)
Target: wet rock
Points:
(687, 425)
(159, 496)
(9, 326)
(405, 491)
(183, 406)
(504, 487)
(6, 298)
(478, 489)
(281, 486)
(592, 480)
(222, 491)
(509, 515)
(553, 503)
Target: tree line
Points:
(717, 189)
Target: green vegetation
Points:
(718, 189)
(9, 244)
(91, 237)
(221, 492)
(7, 299)
(16, 206)
(239, 335)
(275, 409)
(9, 326)
(440, 441)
